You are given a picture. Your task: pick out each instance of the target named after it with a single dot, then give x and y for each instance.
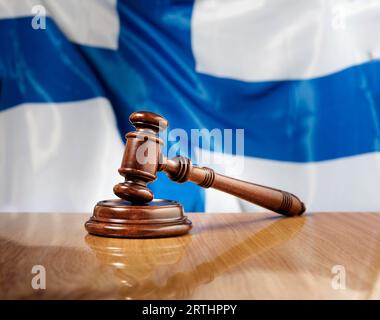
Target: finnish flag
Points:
(300, 78)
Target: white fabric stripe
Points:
(346, 184)
(58, 157)
(284, 39)
(88, 22)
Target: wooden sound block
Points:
(121, 218)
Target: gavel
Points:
(180, 169)
(138, 215)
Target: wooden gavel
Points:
(142, 159)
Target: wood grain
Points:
(225, 256)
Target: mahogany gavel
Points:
(137, 215)
(180, 169)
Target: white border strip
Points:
(58, 157)
(88, 22)
(283, 39)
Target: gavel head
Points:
(141, 157)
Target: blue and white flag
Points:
(301, 78)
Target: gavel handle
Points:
(181, 170)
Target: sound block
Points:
(121, 218)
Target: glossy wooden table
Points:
(226, 256)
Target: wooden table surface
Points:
(226, 256)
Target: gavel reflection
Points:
(142, 159)
(152, 269)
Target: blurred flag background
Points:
(302, 78)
